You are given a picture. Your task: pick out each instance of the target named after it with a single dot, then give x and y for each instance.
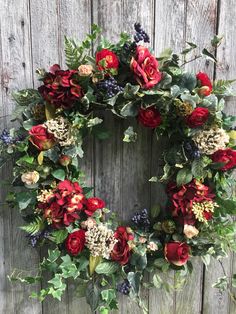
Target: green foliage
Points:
(35, 226)
(59, 174)
(27, 97)
(130, 135)
(223, 87)
(184, 176)
(107, 268)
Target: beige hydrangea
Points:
(44, 196)
(100, 240)
(62, 131)
(209, 141)
(30, 178)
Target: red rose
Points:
(75, 242)
(106, 59)
(145, 68)
(92, 204)
(205, 84)
(198, 117)
(226, 156)
(149, 117)
(121, 251)
(176, 253)
(41, 138)
(61, 88)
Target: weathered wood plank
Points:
(74, 19)
(214, 301)
(171, 36)
(15, 74)
(204, 22)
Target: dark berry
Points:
(124, 287)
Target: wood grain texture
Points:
(31, 36)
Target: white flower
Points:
(85, 69)
(190, 231)
(30, 178)
(152, 246)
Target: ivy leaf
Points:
(184, 176)
(59, 174)
(188, 80)
(221, 283)
(197, 168)
(107, 268)
(53, 255)
(92, 295)
(139, 261)
(27, 97)
(130, 91)
(129, 110)
(52, 154)
(24, 199)
(130, 135)
(157, 281)
(155, 211)
(134, 280)
(209, 55)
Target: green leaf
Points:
(53, 255)
(134, 280)
(155, 211)
(92, 295)
(93, 263)
(139, 261)
(52, 154)
(34, 227)
(130, 91)
(24, 199)
(184, 176)
(197, 168)
(107, 268)
(216, 40)
(59, 174)
(130, 135)
(209, 55)
(27, 97)
(28, 124)
(190, 48)
(59, 236)
(188, 80)
(93, 122)
(157, 281)
(129, 110)
(221, 283)
(153, 179)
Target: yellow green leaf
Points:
(40, 158)
(50, 111)
(93, 263)
(232, 135)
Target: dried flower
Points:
(62, 130)
(209, 141)
(203, 211)
(190, 231)
(30, 178)
(45, 196)
(100, 240)
(85, 69)
(183, 109)
(89, 223)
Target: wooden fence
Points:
(31, 36)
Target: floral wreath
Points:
(84, 241)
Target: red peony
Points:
(121, 251)
(182, 199)
(92, 204)
(64, 205)
(205, 84)
(41, 138)
(75, 242)
(61, 88)
(198, 117)
(106, 59)
(227, 157)
(149, 117)
(145, 68)
(177, 253)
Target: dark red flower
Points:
(41, 138)
(177, 253)
(121, 251)
(227, 157)
(149, 117)
(145, 68)
(61, 88)
(182, 199)
(75, 242)
(92, 204)
(106, 59)
(205, 84)
(198, 117)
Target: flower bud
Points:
(168, 226)
(64, 160)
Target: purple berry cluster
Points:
(141, 219)
(140, 34)
(191, 150)
(124, 287)
(109, 87)
(34, 239)
(6, 138)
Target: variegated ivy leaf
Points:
(93, 122)
(130, 135)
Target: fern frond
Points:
(34, 227)
(223, 87)
(26, 97)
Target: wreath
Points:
(85, 242)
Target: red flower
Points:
(205, 83)
(149, 117)
(61, 88)
(226, 156)
(198, 117)
(41, 138)
(106, 59)
(75, 242)
(121, 251)
(145, 68)
(63, 207)
(182, 199)
(176, 253)
(64, 160)
(92, 204)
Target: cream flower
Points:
(30, 178)
(190, 231)
(85, 69)
(152, 246)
